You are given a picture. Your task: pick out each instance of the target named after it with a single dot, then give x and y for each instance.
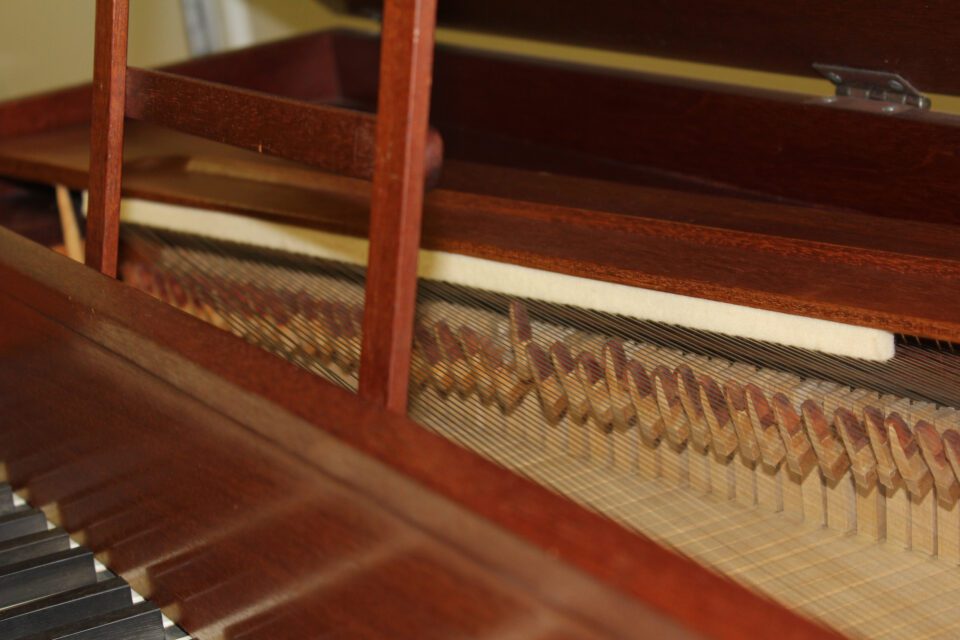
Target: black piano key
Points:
(33, 546)
(21, 523)
(6, 498)
(46, 575)
(139, 622)
(64, 608)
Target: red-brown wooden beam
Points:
(106, 136)
(334, 139)
(406, 61)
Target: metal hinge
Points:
(891, 91)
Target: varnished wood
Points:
(761, 141)
(301, 69)
(575, 226)
(826, 264)
(522, 112)
(30, 211)
(330, 138)
(406, 64)
(239, 382)
(106, 135)
(51, 110)
(643, 128)
(226, 555)
(901, 36)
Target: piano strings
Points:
(717, 457)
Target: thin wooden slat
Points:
(406, 65)
(106, 135)
(331, 138)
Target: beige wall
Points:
(49, 43)
(272, 20)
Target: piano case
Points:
(677, 479)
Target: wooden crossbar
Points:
(395, 148)
(338, 140)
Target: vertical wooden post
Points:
(406, 66)
(106, 134)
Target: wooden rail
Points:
(406, 62)
(106, 134)
(338, 140)
(396, 149)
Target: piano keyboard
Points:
(53, 588)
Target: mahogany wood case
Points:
(221, 480)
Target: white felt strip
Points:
(729, 319)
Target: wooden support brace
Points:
(406, 60)
(331, 138)
(106, 134)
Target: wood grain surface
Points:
(106, 134)
(786, 145)
(890, 274)
(613, 125)
(338, 140)
(396, 203)
(902, 36)
(178, 475)
(827, 261)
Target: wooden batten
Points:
(333, 139)
(106, 135)
(396, 209)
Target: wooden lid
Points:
(915, 39)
